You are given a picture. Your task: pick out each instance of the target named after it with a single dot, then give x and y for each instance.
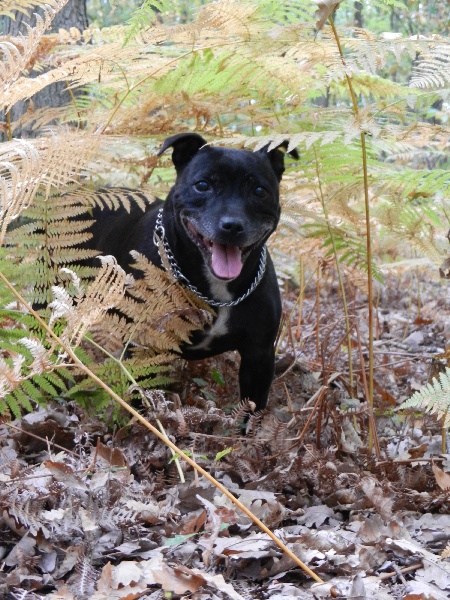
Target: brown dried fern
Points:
(163, 312)
(18, 52)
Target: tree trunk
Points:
(358, 18)
(73, 14)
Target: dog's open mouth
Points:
(225, 260)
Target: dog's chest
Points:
(216, 331)
(220, 327)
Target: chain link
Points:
(159, 236)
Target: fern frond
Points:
(433, 70)
(370, 52)
(114, 198)
(89, 65)
(248, 75)
(415, 223)
(224, 20)
(28, 165)
(9, 7)
(17, 53)
(19, 164)
(350, 246)
(42, 361)
(10, 374)
(405, 266)
(17, 401)
(30, 370)
(104, 293)
(290, 12)
(150, 372)
(294, 140)
(433, 398)
(56, 227)
(157, 314)
(418, 181)
(145, 16)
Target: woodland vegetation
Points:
(348, 467)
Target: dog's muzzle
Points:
(224, 260)
(160, 241)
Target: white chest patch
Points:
(218, 291)
(218, 288)
(218, 329)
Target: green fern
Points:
(149, 373)
(31, 383)
(50, 237)
(433, 398)
(145, 16)
(350, 247)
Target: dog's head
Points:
(226, 200)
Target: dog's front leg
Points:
(256, 375)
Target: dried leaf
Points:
(218, 582)
(324, 10)
(112, 456)
(194, 525)
(65, 474)
(382, 503)
(442, 478)
(444, 269)
(322, 590)
(358, 591)
(129, 579)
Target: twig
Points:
(320, 394)
(408, 461)
(384, 576)
(41, 439)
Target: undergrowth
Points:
(247, 73)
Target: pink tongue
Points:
(226, 261)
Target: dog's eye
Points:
(260, 191)
(201, 186)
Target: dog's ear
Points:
(276, 157)
(184, 145)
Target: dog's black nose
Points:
(231, 225)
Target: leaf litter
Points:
(92, 513)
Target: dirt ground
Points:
(94, 511)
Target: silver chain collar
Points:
(159, 236)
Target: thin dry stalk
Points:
(372, 433)
(300, 296)
(318, 313)
(339, 273)
(366, 391)
(320, 394)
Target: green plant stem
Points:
(160, 436)
(339, 273)
(372, 433)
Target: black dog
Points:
(214, 225)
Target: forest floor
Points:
(90, 512)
